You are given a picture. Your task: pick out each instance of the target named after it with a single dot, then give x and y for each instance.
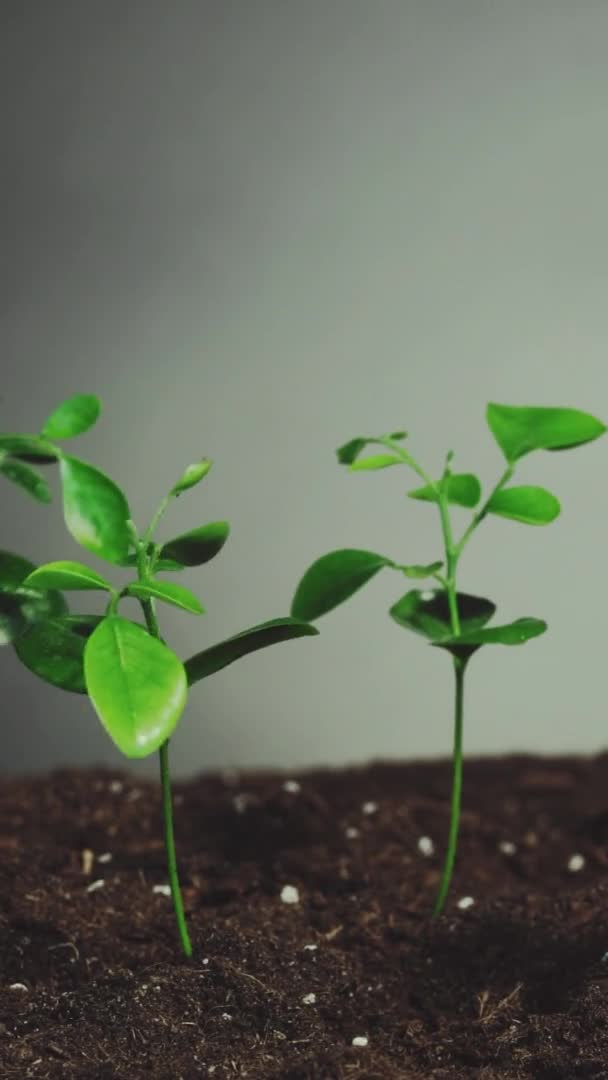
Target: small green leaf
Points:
(377, 461)
(137, 685)
(20, 607)
(419, 571)
(218, 656)
(198, 546)
(530, 505)
(54, 650)
(332, 579)
(463, 489)
(26, 478)
(29, 448)
(72, 417)
(67, 575)
(95, 510)
(169, 593)
(515, 633)
(191, 476)
(349, 452)
(428, 612)
(519, 430)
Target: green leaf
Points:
(428, 612)
(191, 476)
(349, 452)
(72, 417)
(137, 685)
(377, 461)
(419, 571)
(210, 660)
(161, 564)
(29, 448)
(95, 510)
(519, 430)
(531, 505)
(463, 489)
(20, 607)
(67, 575)
(54, 650)
(170, 594)
(198, 546)
(515, 633)
(27, 479)
(332, 579)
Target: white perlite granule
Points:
(507, 847)
(352, 833)
(162, 890)
(290, 895)
(576, 863)
(292, 787)
(309, 999)
(369, 807)
(95, 885)
(426, 846)
(360, 1040)
(465, 903)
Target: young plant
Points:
(136, 683)
(452, 620)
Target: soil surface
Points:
(353, 980)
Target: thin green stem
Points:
(149, 533)
(482, 513)
(448, 866)
(407, 459)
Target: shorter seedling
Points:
(137, 685)
(451, 620)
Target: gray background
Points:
(259, 228)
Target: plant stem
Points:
(448, 866)
(482, 513)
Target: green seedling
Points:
(451, 620)
(137, 685)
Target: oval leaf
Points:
(418, 571)
(519, 430)
(428, 612)
(530, 505)
(463, 489)
(350, 451)
(54, 650)
(21, 607)
(137, 685)
(210, 660)
(378, 461)
(72, 417)
(170, 594)
(332, 579)
(198, 546)
(29, 448)
(27, 479)
(191, 476)
(95, 510)
(515, 633)
(66, 575)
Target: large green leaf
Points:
(349, 452)
(428, 613)
(332, 579)
(218, 656)
(66, 575)
(519, 430)
(515, 633)
(95, 510)
(138, 687)
(198, 546)
(530, 505)
(72, 417)
(54, 649)
(463, 489)
(191, 476)
(21, 606)
(171, 594)
(29, 448)
(26, 478)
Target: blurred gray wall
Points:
(257, 228)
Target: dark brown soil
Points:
(515, 985)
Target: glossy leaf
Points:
(519, 430)
(171, 594)
(419, 571)
(530, 505)
(54, 650)
(198, 546)
(26, 478)
(67, 575)
(21, 606)
(137, 685)
(72, 417)
(95, 510)
(332, 579)
(349, 452)
(463, 489)
(29, 448)
(377, 461)
(191, 476)
(215, 658)
(515, 633)
(428, 612)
